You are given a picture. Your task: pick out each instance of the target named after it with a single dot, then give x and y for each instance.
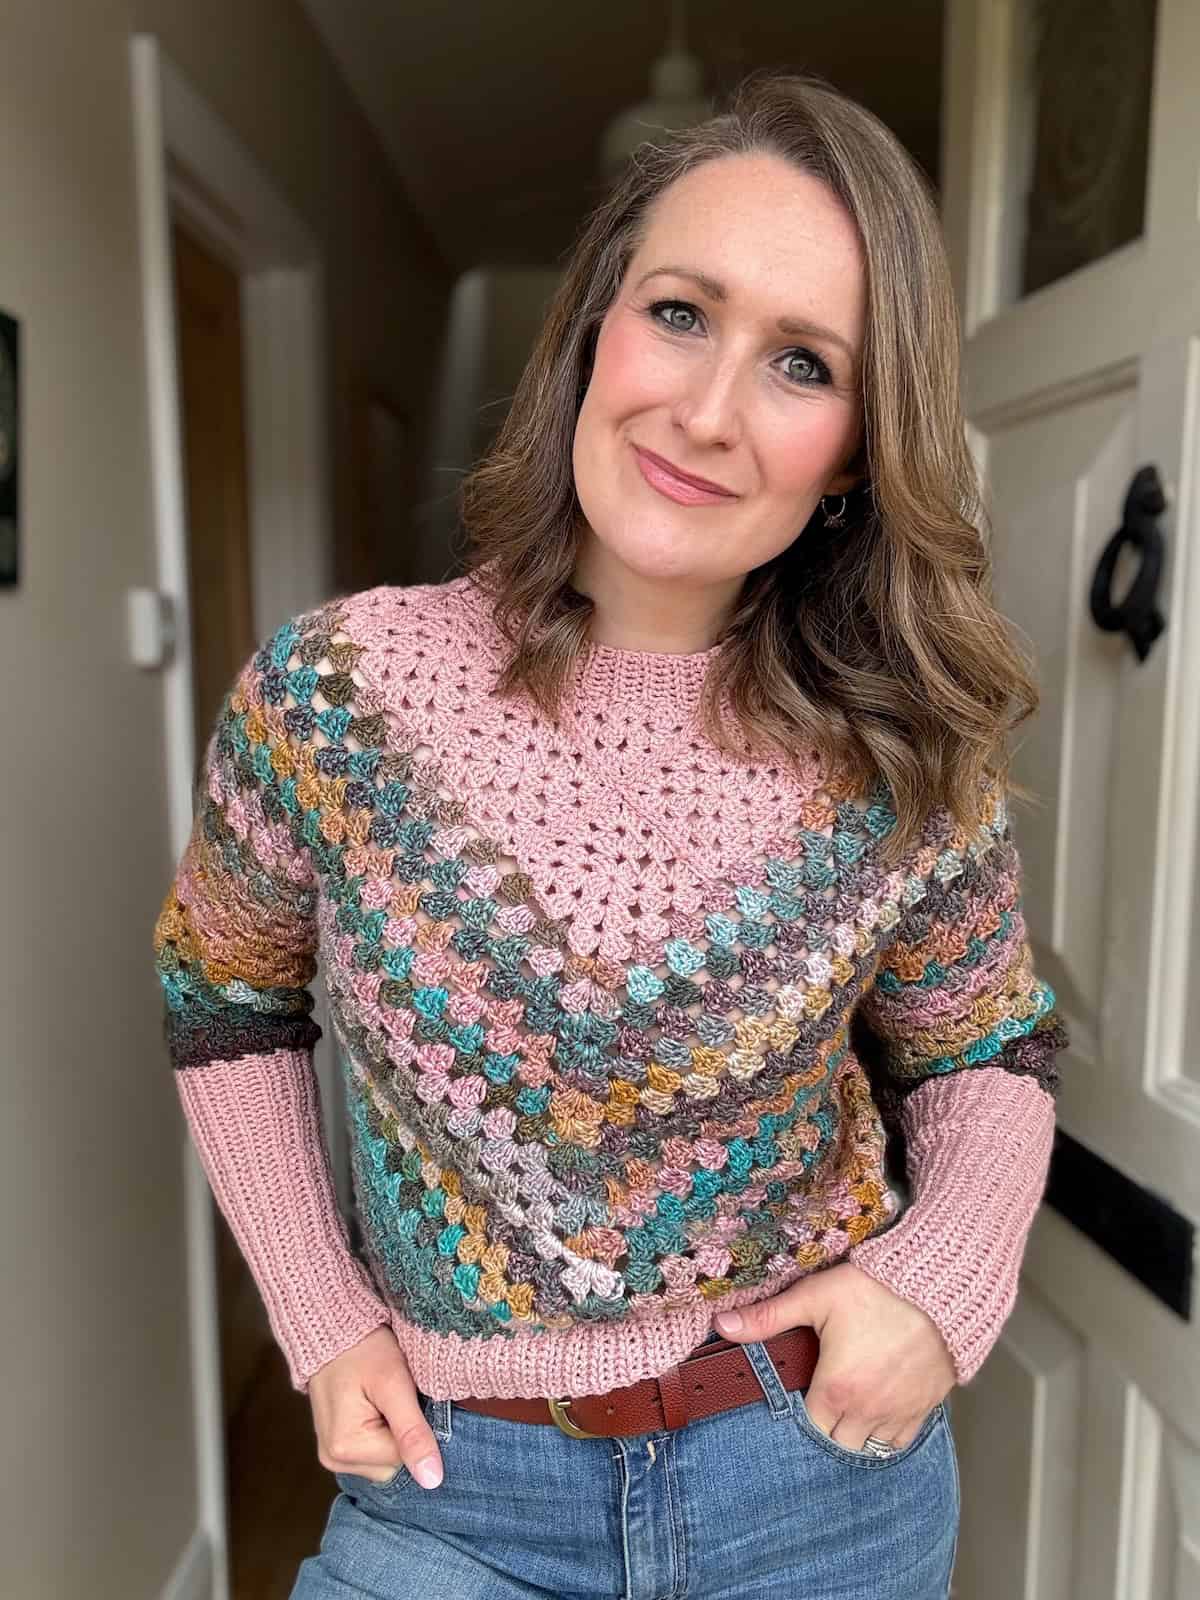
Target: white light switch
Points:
(151, 625)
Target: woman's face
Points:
(730, 353)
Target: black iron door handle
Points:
(1137, 615)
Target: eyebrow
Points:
(789, 326)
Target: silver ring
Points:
(878, 1447)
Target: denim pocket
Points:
(353, 1483)
(864, 1458)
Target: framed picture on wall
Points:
(9, 427)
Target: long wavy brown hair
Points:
(876, 644)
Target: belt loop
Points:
(670, 1387)
(765, 1371)
(437, 1415)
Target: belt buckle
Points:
(558, 1410)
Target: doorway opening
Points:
(232, 287)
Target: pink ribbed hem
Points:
(589, 1358)
(256, 1125)
(979, 1144)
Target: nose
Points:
(708, 408)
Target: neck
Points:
(635, 613)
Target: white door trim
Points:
(191, 166)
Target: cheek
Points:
(626, 380)
(628, 372)
(799, 452)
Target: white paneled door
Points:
(1071, 203)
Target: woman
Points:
(661, 865)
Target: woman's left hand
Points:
(883, 1364)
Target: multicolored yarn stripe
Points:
(594, 984)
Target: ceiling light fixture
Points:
(676, 100)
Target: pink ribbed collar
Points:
(607, 675)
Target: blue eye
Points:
(679, 316)
(671, 307)
(820, 372)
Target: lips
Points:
(683, 487)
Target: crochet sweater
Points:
(624, 1023)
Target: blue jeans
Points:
(754, 1502)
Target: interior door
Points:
(209, 337)
(208, 321)
(1071, 138)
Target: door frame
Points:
(193, 169)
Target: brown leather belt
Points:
(715, 1377)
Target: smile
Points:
(681, 487)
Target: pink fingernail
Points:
(729, 1321)
(428, 1472)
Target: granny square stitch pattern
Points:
(593, 983)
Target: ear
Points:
(843, 483)
(851, 476)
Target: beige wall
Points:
(97, 1487)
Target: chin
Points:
(651, 553)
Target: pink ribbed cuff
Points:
(979, 1143)
(256, 1124)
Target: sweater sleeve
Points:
(967, 1037)
(235, 952)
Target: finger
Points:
(765, 1318)
(853, 1433)
(414, 1437)
(820, 1412)
(403, 1429)
(898, 1434)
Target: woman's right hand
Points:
(368, 1416)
